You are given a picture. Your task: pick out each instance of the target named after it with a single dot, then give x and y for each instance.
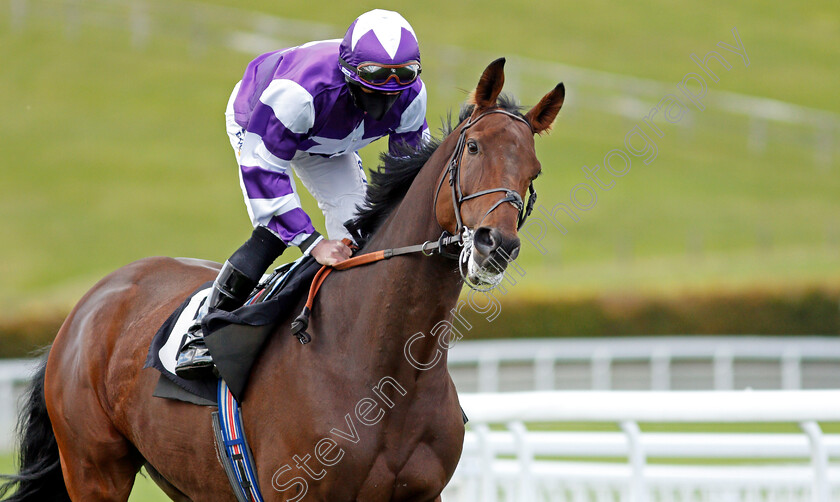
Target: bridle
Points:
(454, 171)
(463, 234)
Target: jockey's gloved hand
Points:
(330, 252)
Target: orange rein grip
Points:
(360, 260)
(325, 270)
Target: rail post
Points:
(636, 455)
(819, 461)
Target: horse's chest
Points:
(418, 474)
(417, 463)
(410, 460)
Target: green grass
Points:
(144, 489)
(112, 153)
(794, 49)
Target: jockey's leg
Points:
(235, 282)
(238, 276)
(337, 183)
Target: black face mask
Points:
(375, 104)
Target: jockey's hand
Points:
(330, 252)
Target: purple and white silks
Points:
(293, 105)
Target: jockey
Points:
(309, 109)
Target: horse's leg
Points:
(167, 487)
(98, 463)
(105, 420)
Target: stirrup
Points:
(194, 359)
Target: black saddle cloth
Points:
(235, 338)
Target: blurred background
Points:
(113, 149)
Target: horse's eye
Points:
(472, 146)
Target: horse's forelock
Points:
(505, 102)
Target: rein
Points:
(428, 248)
(462, 237)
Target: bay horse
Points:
(348, 417)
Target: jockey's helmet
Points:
(380, 52)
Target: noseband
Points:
(458, 197)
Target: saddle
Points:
(234, 339)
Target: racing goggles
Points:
(377, 74)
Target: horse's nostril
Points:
(513, 253)
(486, 240)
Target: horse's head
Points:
(490, 176)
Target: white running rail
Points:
(647, 363)
(637, 363)
(14, 374)
(507, 458)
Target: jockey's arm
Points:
(279, 122)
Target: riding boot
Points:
(240, 273)
(230, 290)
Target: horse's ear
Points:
(490, 85)
(542, 115)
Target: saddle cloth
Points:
(234, 338)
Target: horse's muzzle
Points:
(493, 250)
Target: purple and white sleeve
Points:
(278, 123)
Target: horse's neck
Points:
(412, 222)
(412, 293)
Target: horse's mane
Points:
(390, 181)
